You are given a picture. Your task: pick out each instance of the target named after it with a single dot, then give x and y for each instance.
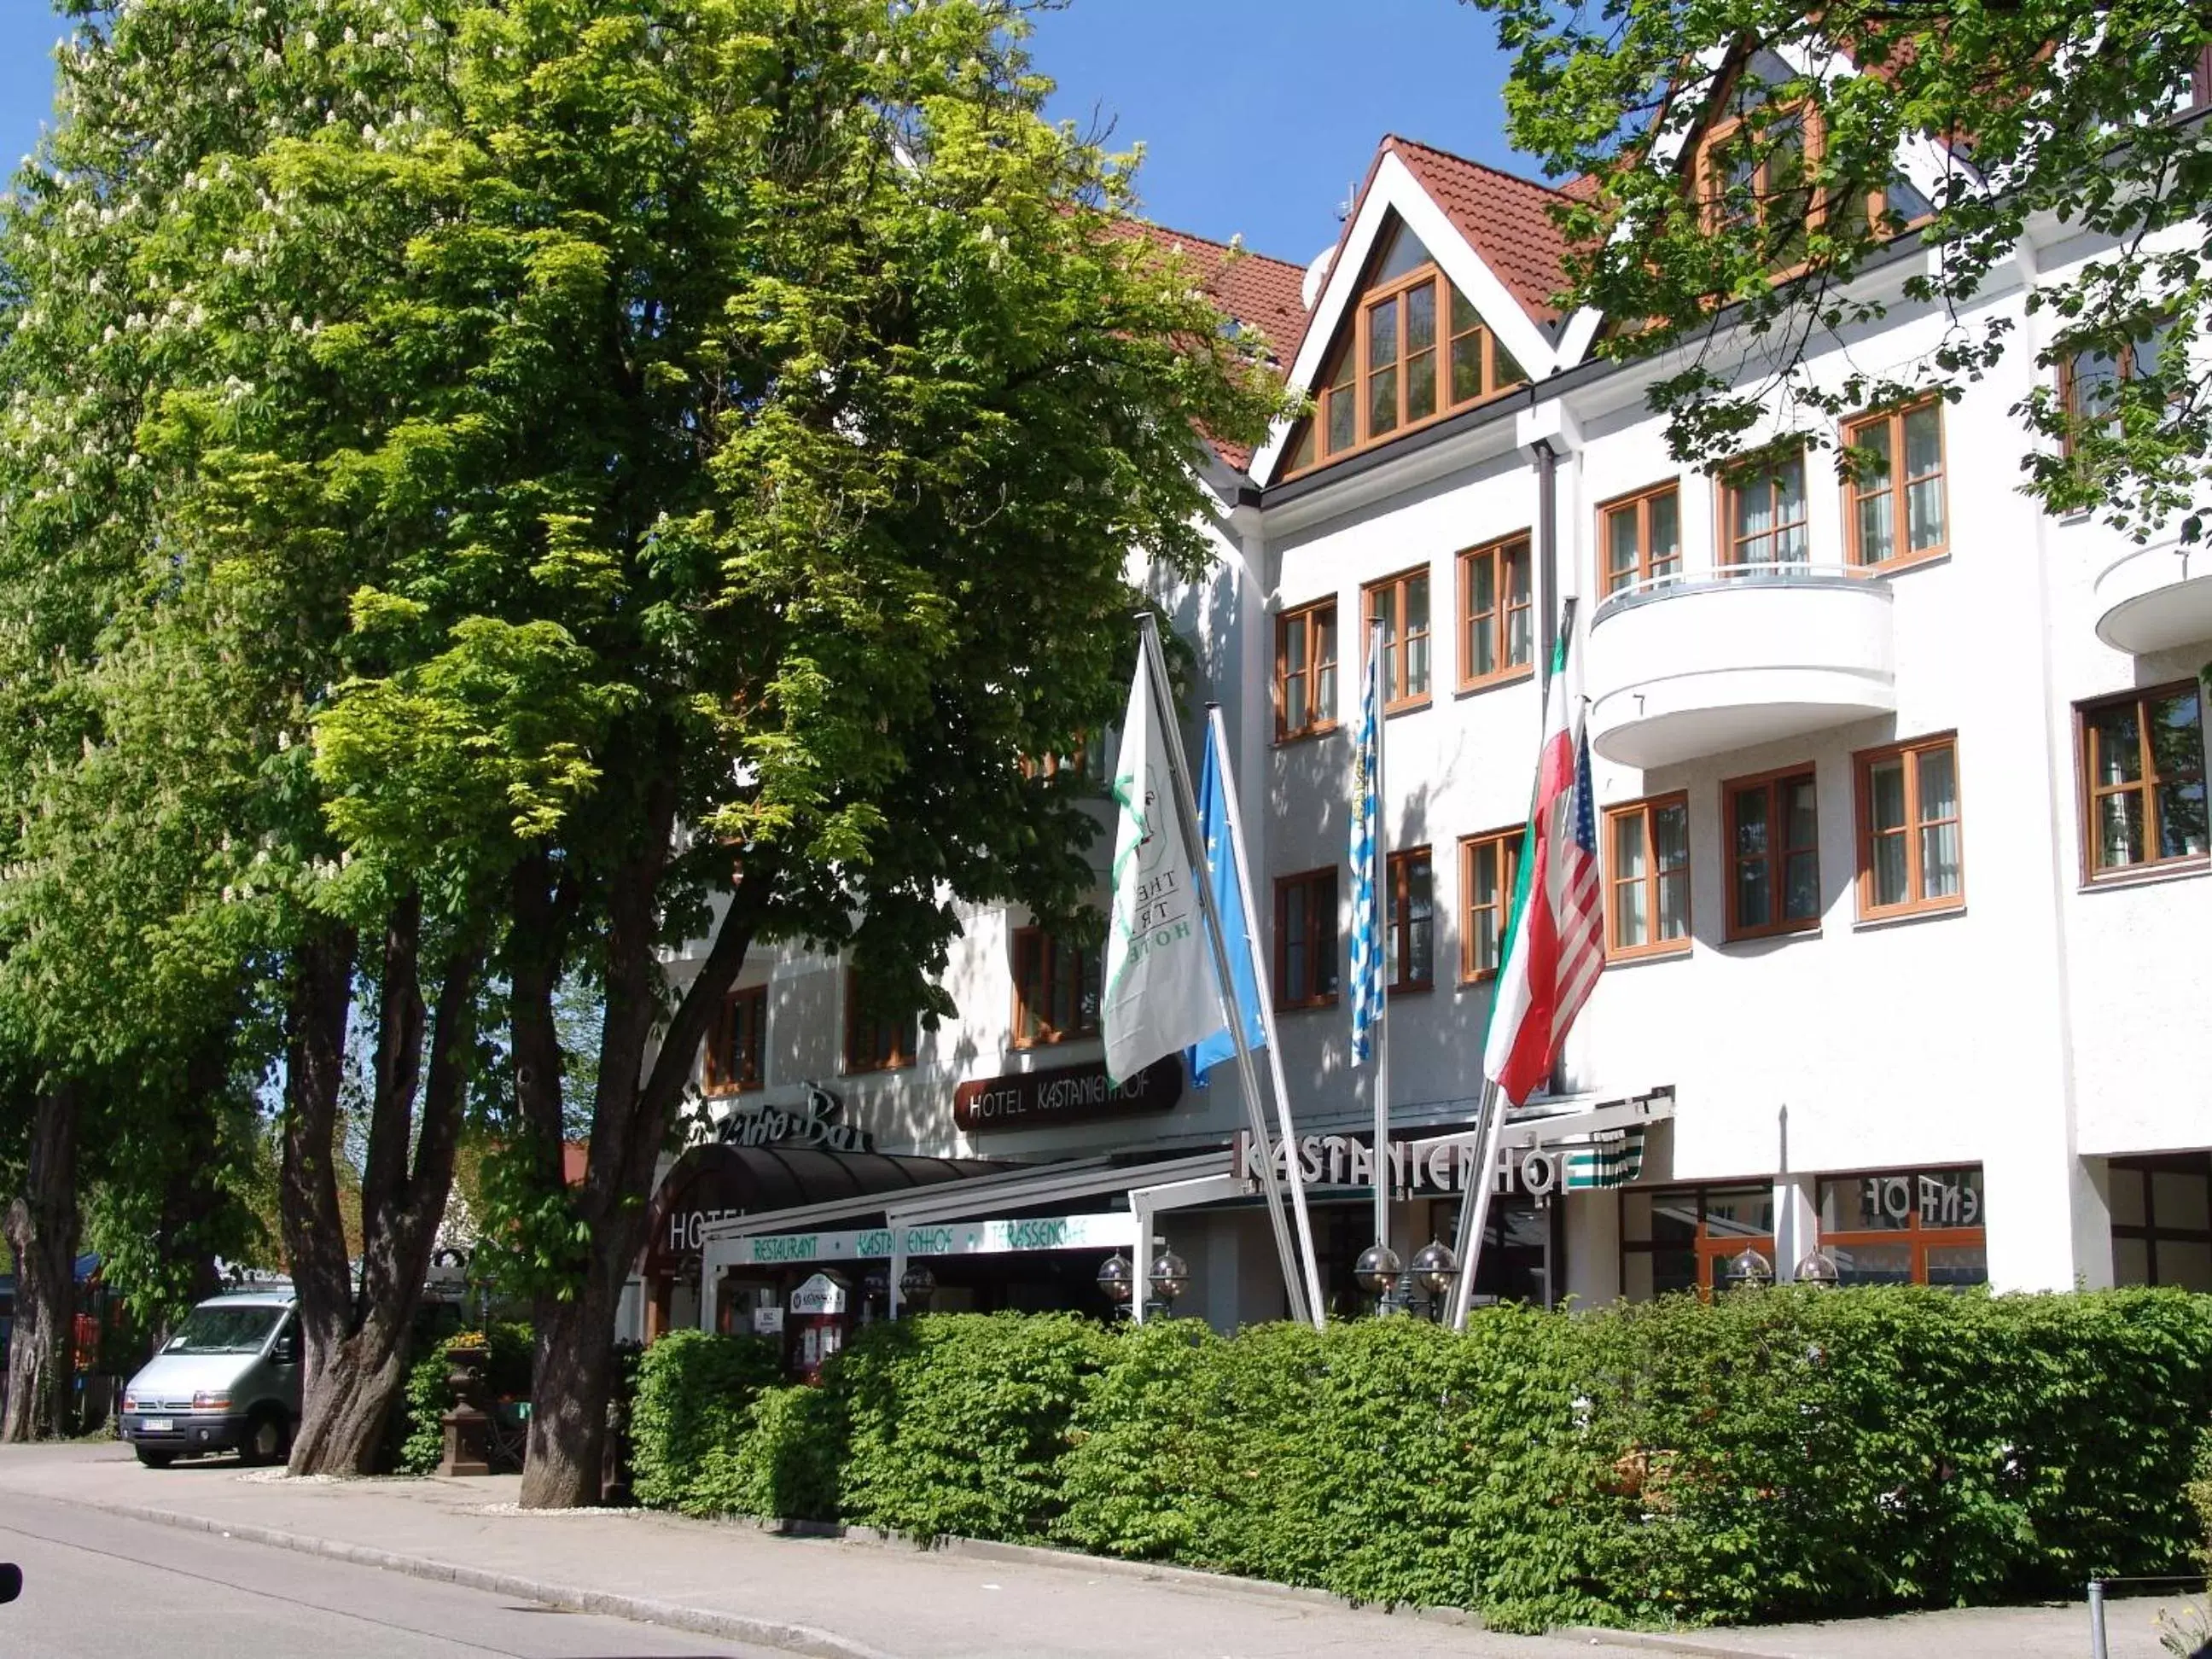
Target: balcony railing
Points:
(1702, 663)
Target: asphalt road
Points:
(100, 1585)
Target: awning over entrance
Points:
(717, 1181)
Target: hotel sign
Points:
(1066, 1094)
(1534, 1171)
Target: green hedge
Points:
(1770, 1454)
(428, 1398)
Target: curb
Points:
(1110, 1566)
(803, 1639)
(817, 1643)
(1659, 1642)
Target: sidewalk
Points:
(851, 1598)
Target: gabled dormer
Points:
(1412, 348)
(1436, 299)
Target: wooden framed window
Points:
(1642, 538)
(2089, 379)
(1764, 516)
(1911, 856)
(1893, 509)
(1402, 604)
(1906, 1227)
(735, 1042)
(1305, 670)
(1763, 182)
(1413, 349)
(2162, 1220)
(2142, 780)
(1774, 853)
(1682, 1238)
(1305, 939)
(1488, 864)
(875, 1041)
(1055, 989)
(1480, 366)
(1497, 637)
(1410, 958)
(1649, 844)
(2200, 80)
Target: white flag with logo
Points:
(1160, 990)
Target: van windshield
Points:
(224, 1330)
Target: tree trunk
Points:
(41, 1227)
(321, 997)
(572, 1362)
(355, 1378)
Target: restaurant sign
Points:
(1066, 1094)
(1110, 1231)
(815, 1124)
(1534, 1171)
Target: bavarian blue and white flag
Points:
(1218, 835)
(1366, 932)
(1160, 987)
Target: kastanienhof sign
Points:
(1066, 1094)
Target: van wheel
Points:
(154, 1460)
(268, 1438)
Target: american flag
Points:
(1556, 944)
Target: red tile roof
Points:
(1506, 220)
(1257, 292)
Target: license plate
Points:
(157, 1425)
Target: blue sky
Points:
(1252, 117)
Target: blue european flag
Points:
(1213, 827)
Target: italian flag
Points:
(1555, 939)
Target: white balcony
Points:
(1695, 667)
(2154, 598)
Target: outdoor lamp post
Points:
(1117, 1278)
(1377, 1271)
(1170, 1279)
(916, 1285)
(1818, 1268)
(1747, 1269)
(1435, 1270)
(1170, 1276)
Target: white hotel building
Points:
(1902, 815)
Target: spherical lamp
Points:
(916, 1285)
(1747, 1269)
(1170, 1276)
(1378, 1268)
(1117, 1279)
(1818, 1268)
(1436, 1268)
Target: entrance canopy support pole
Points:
(1300, 1213)
(713, 1259)
(1474, 1206)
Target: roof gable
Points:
(1490, 233)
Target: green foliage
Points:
(693, 1395)
(428, 1397)
(956, 1424)
(1784, 1453)
(2013, 114)
(784, 1464)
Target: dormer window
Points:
(1412, 350)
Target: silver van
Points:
(229, 1379)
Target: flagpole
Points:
(1490, 1116)
(1383, 918)
(1304, 1217)
(1225, 980)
